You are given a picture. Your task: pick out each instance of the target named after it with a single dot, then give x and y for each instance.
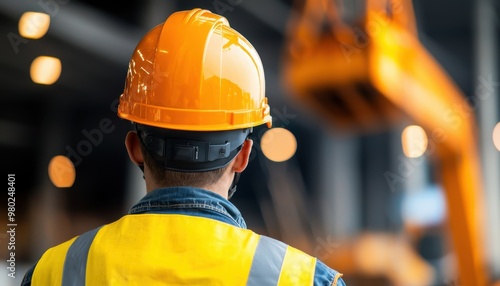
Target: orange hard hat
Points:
(195, 73)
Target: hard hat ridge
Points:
(186, 74)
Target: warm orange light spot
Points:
(34, 25)
(62, 172)
(496, 136)
(414, 140)
(45, 70)
(278, 144)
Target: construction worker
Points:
(194, 91)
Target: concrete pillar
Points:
(486, 90)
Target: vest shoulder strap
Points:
(276, 263)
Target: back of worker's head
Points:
(194, 91)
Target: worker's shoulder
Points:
(61, 247)
(323, 275)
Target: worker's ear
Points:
(134, 148)
(241, 160)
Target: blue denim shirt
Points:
(189, 201)
(203, 203)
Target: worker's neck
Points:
(218, 188)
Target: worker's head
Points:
(194, 91)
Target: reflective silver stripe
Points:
(75, 264)
(267, 262)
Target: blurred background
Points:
(383, 161)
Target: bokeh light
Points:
(278, 144)
(33, 25)
(414, 141)
(45, 70)
(496, 136)
(62, 172)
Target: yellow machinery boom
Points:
(369, 74)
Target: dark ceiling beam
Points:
(82, 26)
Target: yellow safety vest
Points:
(160, 249)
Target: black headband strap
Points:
(192, 151)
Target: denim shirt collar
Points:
(190, 201)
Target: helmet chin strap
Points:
(232, 189)
(141, 166)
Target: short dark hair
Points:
(170, 178)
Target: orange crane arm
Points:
(367, 75)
